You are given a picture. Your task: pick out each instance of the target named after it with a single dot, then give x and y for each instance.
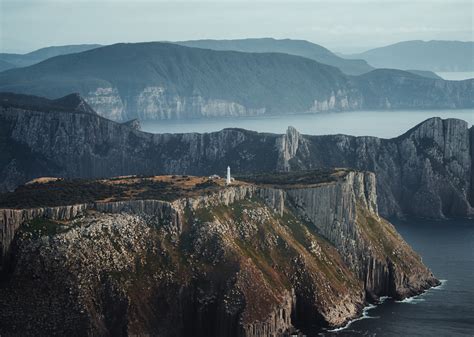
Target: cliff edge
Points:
(180, 255)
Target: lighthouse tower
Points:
(228, 176)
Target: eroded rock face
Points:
(426, 172)
(158, 103)
(107, 102)
(247, 260)
(346, 214)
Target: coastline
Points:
(365, 311)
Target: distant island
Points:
(433, 55)
(12, 60)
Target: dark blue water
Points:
(447, 247)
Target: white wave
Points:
(419, 298)
(412, 300)
(383, 299)
(441, 286)
(365, 315)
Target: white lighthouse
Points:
(228, 180)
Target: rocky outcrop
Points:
(107, 102)
(134, 124)
(246, 260)
(425, 172)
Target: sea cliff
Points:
(257, 258)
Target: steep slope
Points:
(396, 89)
(293, 47)
(5, 65)
(425, 172)
(24, 60)
(423, 55)
(231, 261)
(73, 103)
(168, 81)
(425, 73)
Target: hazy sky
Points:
(344, 26)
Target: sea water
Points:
(447, 248)
(385, 124)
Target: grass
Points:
(43, 226)
(76, 191)
(385, 239)
(303, 178)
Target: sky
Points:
(346, 26)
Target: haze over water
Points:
(385, 124)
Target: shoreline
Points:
(364, 315)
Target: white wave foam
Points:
(383, 299)
(412, 300)
(419, 298)
(365, 315)
(441, 286)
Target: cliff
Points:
(425, 172)
(156, 81)
(251, 259)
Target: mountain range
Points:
(153, 81)
(11, 60)
(423, 55)
(294, 47)
(287, 46)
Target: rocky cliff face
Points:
(247, 260)
(425, 172)
(346, 214)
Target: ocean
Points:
(385, 124)
(447, 248)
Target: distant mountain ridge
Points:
(23, 60)
(4, 65)
(153, 81)
(423, 55)
(288, 46)
(69, 103)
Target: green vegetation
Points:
(43, 226)
(76, 191)
(293, 239)
(287, 46)
(385, 239)
(283, 179)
